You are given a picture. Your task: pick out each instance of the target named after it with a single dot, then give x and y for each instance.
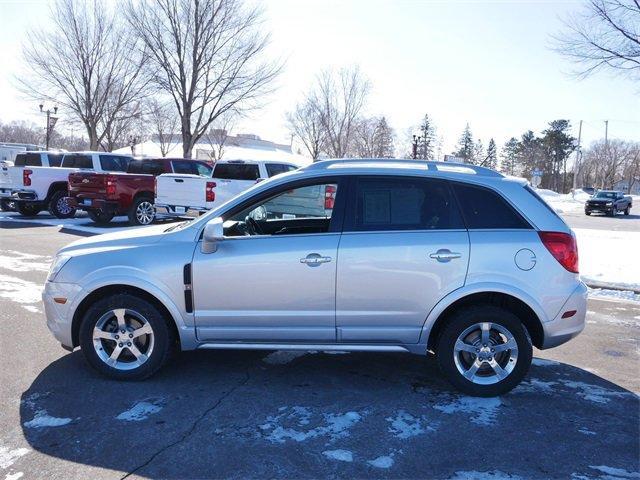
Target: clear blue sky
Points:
(485, 63)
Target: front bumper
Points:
(60, 315)
(561, 330)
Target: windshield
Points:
(606, 195)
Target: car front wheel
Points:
(484, 351)
(59, 206)
(126, 337)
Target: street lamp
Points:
(51, 122)
(416, 139)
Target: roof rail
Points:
(431, 165)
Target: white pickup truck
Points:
(178, 195)
(39, 180)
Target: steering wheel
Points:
(253, 226)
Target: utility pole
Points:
(576, 167)
(606, 146)
(51, 122)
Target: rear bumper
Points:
(561, 330)
(86, 204)
(60, 315)
(179, 210)
(26, 195)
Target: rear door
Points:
(234, 177)
(404, 247)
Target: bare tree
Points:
(86, 63)
(605, 35)
(218, 134)
(305, 123)
(604, 162)
(207, 55)
(373, 138)
(340, 97)
(163, 121)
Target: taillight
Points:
(563, 247)
(329, 196)
(110, 182)
(26, 179)
(155, 187)
(210, 195)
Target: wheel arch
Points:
(108, 290)
(529, 314)
(55, 187)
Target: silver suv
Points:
(404, 256)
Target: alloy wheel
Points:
(145, 213)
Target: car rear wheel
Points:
(142, 211)
(7, 205)
(484, 351)
(59, 207)
(126, 337)
(28, 209)
(627, 210)
(100, 217)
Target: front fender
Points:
(484, 287)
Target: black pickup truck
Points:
(609, 202)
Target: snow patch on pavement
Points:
(9, 457)
(31, 308)
(586, 431)
(594, 393)
(43, 420)
(384, 461)
(14, 476)
(491, 475)
(544, 362)
(291, 423)
(20, 291)
(535, 386)
(405, 425)
(282, 357)
(141, 411)
(340, 455)
(617, 295)
(24, 262)
(483, 410)
(615, 472)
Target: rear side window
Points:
(149, 167)
(236, 171)
(54, 160)
(28, 160)
(77, 161)
(202, 169)
(485, 209)
(111, 163)
(274, 169)
(404, 204)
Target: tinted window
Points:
(55, 160)
(149, 167)
(77, 161)
(483, 208)
(184, 166)
(236, 171)
(404, 204)
(202, 169)
(28, 160)
(110, 163)
(274, 169)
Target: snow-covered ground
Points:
(568, 202)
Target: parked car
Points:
(609, 202)
(107, 194)
(6, 203)
(179, 195)
(37, 182)
(414, 257)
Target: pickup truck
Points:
(105, 195)
(6, 204)
(192, 195)
(609, 202)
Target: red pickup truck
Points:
(105, 195)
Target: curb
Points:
(608, 286)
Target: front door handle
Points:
(445, 255)
(314, 259)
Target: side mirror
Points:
(213, 233)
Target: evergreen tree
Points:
(427, 143)
(509, 157)
(465, 145)
(491, 159)
(478, 157)
(558, 144)
(383, 145)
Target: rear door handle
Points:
(444, 255)
(179, 180)
(314, 259)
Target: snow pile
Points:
(569, 202)
(609, 258)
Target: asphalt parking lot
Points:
(245, 414)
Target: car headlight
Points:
(56, 266)
(609, 204)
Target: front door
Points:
(273, 276)
(404, 247)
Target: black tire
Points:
(587, 213)
(28, 209)
(7, 205)
(58, 206)
(100, 217)
(611, 213)
(627, 210)
(468, 317)
(142, 211)
(164, 340)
